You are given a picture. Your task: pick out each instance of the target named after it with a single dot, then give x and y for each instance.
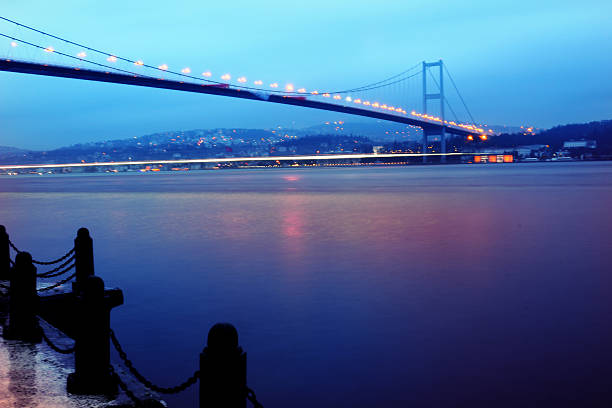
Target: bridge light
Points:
(348, 99)
(242, 79)
(112, 58)
(186, 70)
(163, 67)
(302, 90)
(13, 44)
(139, 63)
(315, 92)
(274, 85)
(375, 105)
(337, 97)
(366, 103)
(206, 74)
(226, 77)
(258, 82)
(356, 100)
(289, 87)
(483, 137)
(470, 138)
(81, 54)
(326, 95)
(49, 49)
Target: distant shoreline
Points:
(262, 163)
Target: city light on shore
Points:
(232, 160)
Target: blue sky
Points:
(539, 63)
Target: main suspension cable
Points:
(140, 63)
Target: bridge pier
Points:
(424, 143)
(443, 145)
(439, 96)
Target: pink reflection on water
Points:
(292, 217)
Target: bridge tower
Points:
(440, 95)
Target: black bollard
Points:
(23, 303)
(5, 254)
(92, 343)
(223, 369)
(83, 258)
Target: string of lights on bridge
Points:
(288, 90)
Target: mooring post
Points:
(223, 369)
(5, 254)
(83, 258)
(23, 303)
(92, 342)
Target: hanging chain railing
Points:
(251, 397)
(68, 262)
(60, 283)
(164, 390)
(54, 347)
(57, 271)
(137, 401)
(66, 255)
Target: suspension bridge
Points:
(384, 100)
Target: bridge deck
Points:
(117, 78)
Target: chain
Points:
(60, 283)
(137, 402)
(54, 272)
(13, 246)
(41, 262)
(169, 390)
(251, 396)
(54, 347)
(55, 261)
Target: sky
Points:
(537, 63)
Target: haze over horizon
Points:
(516, 63)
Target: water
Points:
(426, 286)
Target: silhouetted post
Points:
(223, 369)
(23, 302)
(92, 345)
(5, 254)
(83, 258)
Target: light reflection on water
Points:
(430, 286)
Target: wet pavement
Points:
(33, 375)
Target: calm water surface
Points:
(424, 286)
